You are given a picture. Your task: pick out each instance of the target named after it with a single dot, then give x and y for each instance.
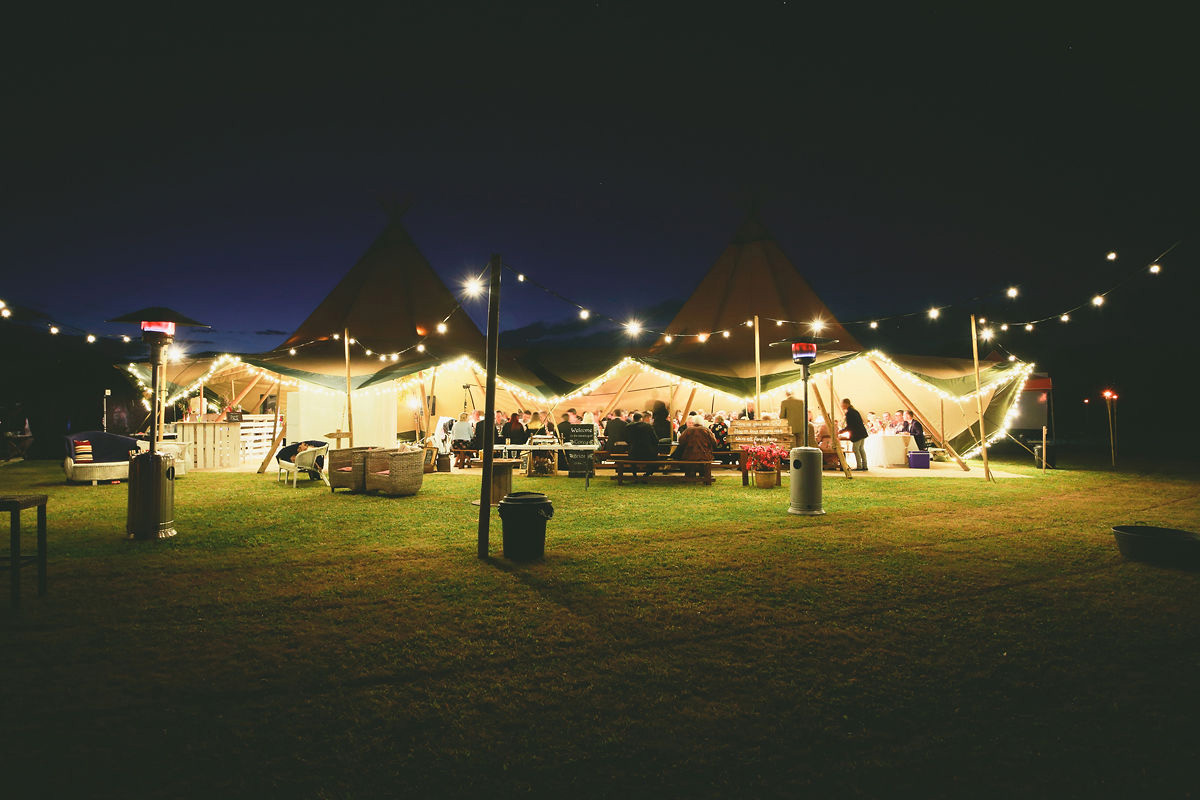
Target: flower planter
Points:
(765, 479)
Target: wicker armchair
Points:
(347, 468)
(394, 472)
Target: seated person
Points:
(614, 430)
(720, 432)
(696, 443)
(460, 434)
(915, 429)
(643, 443)
(829, 459)
(292, 450)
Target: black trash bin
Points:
(523, 516)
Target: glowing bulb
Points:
(441, 327)
(91, 338)
(1012, 358)
(986, 334)
(473, 287)
(983, 320)
(1028, 326)
(668, 338)
(420, 348)
(126, 339)
(817, 325)
(4, 312)
(1112, 255)
(934, 313)
(520, 278)
(584, 313)
(633, 327)
(395, 356)
(1098, 300)
(749, 323)
(1155, 269)
(1065, 318)
(1107, 393)
(368, 350)
(353, 340)
(337, 336)
(874, 325)
(3, 304)
(725, 334)
(292, 352)
(1012, 291)
(778, 323)
(54, 329)
(1004, 326)
(702, 337)
(382, 357)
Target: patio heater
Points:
(151, 510)
(805, 473)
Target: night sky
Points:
(236, 170)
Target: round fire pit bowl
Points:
(1166, 546)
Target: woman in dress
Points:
(721, 432)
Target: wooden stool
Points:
(502, 475)
(13, 504)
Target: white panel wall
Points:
(312, 415)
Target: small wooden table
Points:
(502, 472)
(14, 504)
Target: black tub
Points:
(1169, 546)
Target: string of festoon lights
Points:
(475, 286)
(987, 332)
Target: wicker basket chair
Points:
(347, 468)
(394, 472)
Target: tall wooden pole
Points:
(489, 407)
(1112, 435)
(1043, 450)
(349, 407)
(987, 471)
(925, 421)
(757, 374)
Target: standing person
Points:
(643, 443)
(915, 429)
(662, 420)
(858, 433)
(901, 422)
(792, 409)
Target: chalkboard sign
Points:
(579, 462)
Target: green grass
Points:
(927, 637)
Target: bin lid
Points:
(525, 498)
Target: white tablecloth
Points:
(889, 449)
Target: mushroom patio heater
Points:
(805, 473)
(151, 513)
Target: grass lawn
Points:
(925, 638)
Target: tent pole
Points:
(489, 405)
(987, 470)
(240, 396)
(692, 397)
(757, 374)
(258, 407)
(349, 406)
(916, 413)
(276, 437)
(942, 406)
(833, 439)
(620, 393)
(1043, 451)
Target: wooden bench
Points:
(462, 458)
(628, 464)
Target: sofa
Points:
(94, 456)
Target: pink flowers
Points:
(764, 457)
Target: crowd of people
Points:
(696, 437)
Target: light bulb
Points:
(1004, 326)
(725, 334)
(634, 327)
(292, 352)
(1098, 300)
(983, 320)
(395, 356)
(986, 334)
(337, 336)
(584, 313)
(126, 339)
(369, 352)
(1065, 318)
(749, 323)
(874, 325)
(473, 287)
(54, 329)
(382, 357)
(353, 340)
(520, 278)
(1028, 326)
(702, 337)
(778, 323)
(1012, 291)
(91, 338)
(934, 313)
(817, 325)
(667, 338)
(420, 348)
(1112, 255)
(441, 327)
(1012, 358)
(1155, 269)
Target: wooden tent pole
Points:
(275, 440)
(273, 390)
(349, 404)
(240, 396)
(692, 397)
(620, 393)
(833, 439)
(757, 375)
(1043, 451)
(987, 470)
(916, 413)
(942, 406)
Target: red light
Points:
(1086, 401)
(159, 327)
(1108, 393)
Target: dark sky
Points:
(234, 170)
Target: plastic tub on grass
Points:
(523, 516)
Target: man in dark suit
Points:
(915, 429)
(643, 443)
(858, 434)
(614, 429)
